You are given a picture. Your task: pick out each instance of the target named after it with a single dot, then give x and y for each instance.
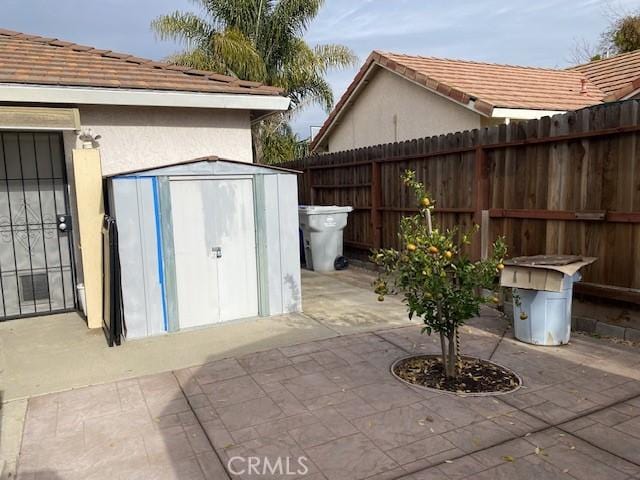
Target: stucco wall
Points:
(389, 99)
(134, 138)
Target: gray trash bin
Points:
(322, 235)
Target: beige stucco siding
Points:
(390, 108)
(137, 138)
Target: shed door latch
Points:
(217, 251)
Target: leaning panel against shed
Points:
(204, 242)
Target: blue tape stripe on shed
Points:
(156, 211)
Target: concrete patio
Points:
(316, 386)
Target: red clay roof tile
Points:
(615, 75)
(30, 59)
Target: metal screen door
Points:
(36, 262)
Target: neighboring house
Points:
(399, 97)
(71, 115)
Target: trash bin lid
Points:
(550, 260)
(323, 209)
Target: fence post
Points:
(312, 191)
(376, 200)
(481, 180)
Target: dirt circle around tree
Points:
(477, 377)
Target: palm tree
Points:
(260, 40)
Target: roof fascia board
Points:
(356, 90)
(127, 97)
(631, 94)
(523, 113)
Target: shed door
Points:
(215, 250)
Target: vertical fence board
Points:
(538, 179)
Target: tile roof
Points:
(499, 85)
(615, 76)
(31, 59)
(489, 85)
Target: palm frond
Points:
(240, 14)
(197, 59)
(184, 27)
(330, 56)
(293, 17)
(238, 54)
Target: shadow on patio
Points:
(329, 409)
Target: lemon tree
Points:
(441, 285)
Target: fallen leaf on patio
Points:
(448, 461)
(527, 434)
(507, 458)
(540, 451)
(572, 447)
(566, 470)
(476, 441)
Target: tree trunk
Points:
(443, 347)
(452, 365)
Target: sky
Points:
(522, 32)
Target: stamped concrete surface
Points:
(330, 405)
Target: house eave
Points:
(523, 113)
(24, 93)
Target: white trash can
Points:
(544, 318)
(322, 228)
(543, 287)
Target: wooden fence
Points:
(567, 184)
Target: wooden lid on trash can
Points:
(541, 272)
(546, 260)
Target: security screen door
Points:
(36, 265)
(215, 249)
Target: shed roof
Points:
(210, 165)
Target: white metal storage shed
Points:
(204, 242)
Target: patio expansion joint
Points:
(495, 349)
(588, 413)
(222, 463)
(548, 426)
